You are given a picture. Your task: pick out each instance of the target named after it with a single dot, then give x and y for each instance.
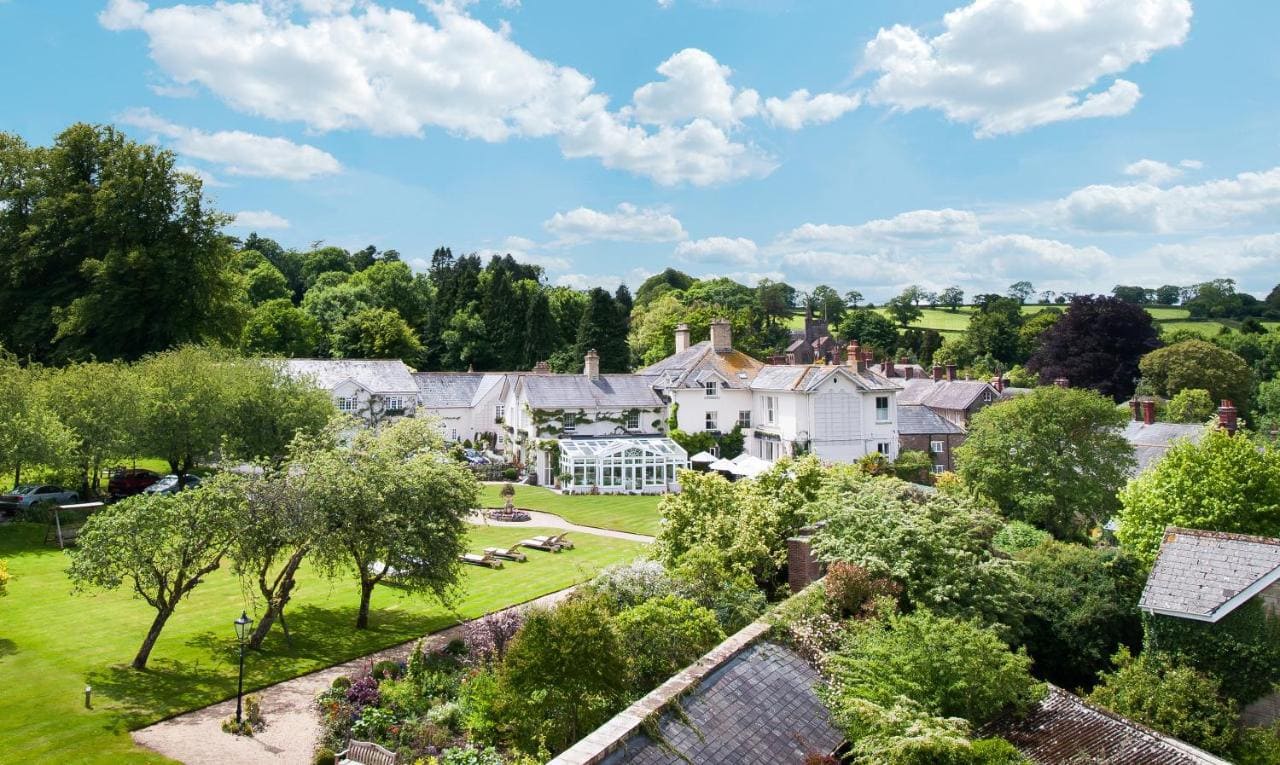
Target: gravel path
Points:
(293, 725)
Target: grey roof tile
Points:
(568, 391)
(1151, 442)
(917, 420)
(375, 375)
(1197, 573)
(687, 368)
(944, 394)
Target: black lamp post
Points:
(243, 625)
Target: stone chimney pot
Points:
(721, 336)
(951, 372)
(591, 367)
(682, 337)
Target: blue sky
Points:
(866, 145)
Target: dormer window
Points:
(712, 388)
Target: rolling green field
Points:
(53, 643)
(637, 514)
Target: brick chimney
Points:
(868, 358)
(997, 382)
(591, 367)
(542, 368)
(1062, 382)
(682, 337)
(802, 567)
(721, 336)
(951, 372)
(1148, 412)
(937, 372)
(1227, 417)
(852, 353)
(908, 373)
(1136, 407)
(887, 368)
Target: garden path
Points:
(551, 520)
(293, 726)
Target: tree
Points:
(1134, 295)
(1223, 483)
(185, 397)
(1053, 458)
(267, 283)
(324, 260)
(871, 329)
(563, 675)
(278, 328)
(110, 252)
(852, 298)
(375, 333)
(1083, 608)
(1021, 291)
(98, 403)
(903, 309)
(1190, 405)
(995, 330)
(827, 303)
(393, 502)
(1096, 344)
(1032, 328)
(663, 636)
(330, 306)
(1170, 697)
(1241, 650)
(670, 279)
(392, 286)
(775, 300)
(603, 328)
(163, 546)
(30, 431)
(1169, 294)
(950, 667)
(1198, 364)
(269, 408)
(951, 297)
(541, 336)
(937, 547)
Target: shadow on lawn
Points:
(165, 688)
(7, 647)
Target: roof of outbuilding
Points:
(1065, 728)
(1205, 575)
(944, 394)
(374, 375)
(579, 391)
(1150, 442)
(917, 420)
(759, 708)
(455, 389)
(806, 377)
(688, 368)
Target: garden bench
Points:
(480, 560)
(510, 553)
(365, 753)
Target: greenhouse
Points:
(616, 465)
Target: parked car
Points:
(125, 482)
(474, 457)
(169, 484)
(28, 494)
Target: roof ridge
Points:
(1229, 536)
(1177, 743)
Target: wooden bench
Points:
(365, 753)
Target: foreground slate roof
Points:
(691, 367)
(757, 709)
(917, 420)
(944, 394)
(1064, 728)
(579, 391)
(374, 375)
(1205, 575)
(1150, 442)
(806, 377)
(455, 389)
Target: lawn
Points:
(635, 513)
(53, 643)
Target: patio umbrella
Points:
(703, 457)
(750, 466)
(722, 465)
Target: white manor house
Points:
(609, 432)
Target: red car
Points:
(125, 482)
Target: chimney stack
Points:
(721, 336)
(908, 372)
(591, 368)
(1227, 417)
(1136, 407)
(856, 358)
(682, 337)
(937, 372)
(542, 368)
(1149, 412)
(888, 367)
(1062, 382)
(868, 358)
(997, 382)
(852, 353)
(951, 372)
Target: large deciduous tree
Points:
(1096, 344)
(279, 328)
(163, 546)
(99, 403)
(871, 329)
(186, 398)
(1198, 364)
(1223, 483)
(393, 503)
(267, 409)
(1054, 458)
(30, 431)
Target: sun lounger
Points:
(540, 543)
(480, 560)
(559, 540)
(510, 553)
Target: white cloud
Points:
(1191, 164)
(1152, 171)
(1248, 198)
(1009, 65)
(257, 219)
(721, 249)
(800, 108)
(238, 152)
(523, 250)
(1249, 259)
(627, 223)
(697, 86)
(610, 282)
(1019, 255)
(916, 224)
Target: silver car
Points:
(169, 484)
(28, 494)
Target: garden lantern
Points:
(243, 625)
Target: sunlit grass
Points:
(635, 513)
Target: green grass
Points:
(53, 643)
(1203, 328)
(635, 513)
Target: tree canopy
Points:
(1198, 364)
(1096, 344)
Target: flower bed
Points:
(507, 515)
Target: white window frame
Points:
(771, 410)
(348, 404)
(937, 447)
(499, 412)
(392, 403)
(744, 418)
(711, 389)
(885, 409)
(633, 421)
(939, 468)
(883, 447)
(712, 420)
(569, 425)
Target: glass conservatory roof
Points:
(593, 448)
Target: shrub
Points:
(1158, 691)
(850, 589)
(363, 692)
(446, 715)
(478, 700)
(702, 578)
(253, 712)
(425, 737)
(510, 473)
(456, 647)
(341, 683)
(469, 756)
(373, 723)
(996, 751)
(1258, 746)
(664, 635)
(387, 669)
(508, 490)
(1016, 536)
(1242, 650)
(1190, 405)
(629, 584)
(489, 636)
(323, 756)
(403, 697)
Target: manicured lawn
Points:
(1204, 328)
(53, 643)
(637, 514)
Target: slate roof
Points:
(579, 391)
(757, 709)
(454, 389)
(944, 394)
(917, 420)
(1205, 575)
(805, 377)
(1065, 728)
(374, 375)
(1150, 442)
(690, 367)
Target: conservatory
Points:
(620, 465)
